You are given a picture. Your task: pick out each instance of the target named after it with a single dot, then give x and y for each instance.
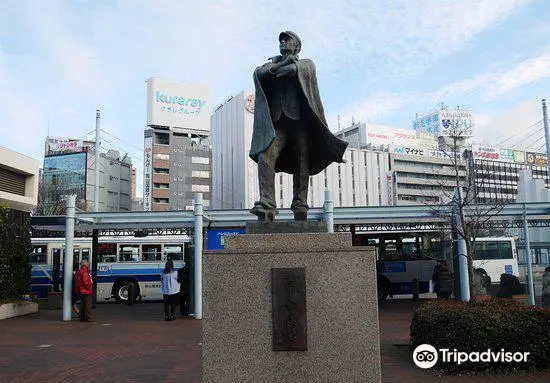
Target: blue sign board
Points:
(215, 239)
(394, 267)
(508, 269)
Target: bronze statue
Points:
(290, 132)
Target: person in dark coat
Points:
(290, 131)
(183, 279)
(443, 278)
(509, 285)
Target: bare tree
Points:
(473, 210)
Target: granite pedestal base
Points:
(342, 310)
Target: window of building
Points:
(200, 160)
(161, 171)
(160, 200)
(160, 156)
(161, 186)
(161, 138)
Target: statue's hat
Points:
(294, 36)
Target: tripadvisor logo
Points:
(426, 356)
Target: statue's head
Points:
(289, 42)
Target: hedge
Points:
(15, 247)
(495, 324)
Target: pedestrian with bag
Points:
(183, 279)
(169, 288)
(443, 280)
(83, 285)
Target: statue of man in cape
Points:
(290, 132)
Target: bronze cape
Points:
(324, 147)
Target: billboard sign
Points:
(391, 179)
(536, 158)
(409, 150)
(486, 153)
(178, 104)
(404, 137)
(459, 123)
(148, 174)
(428, 123)
(216, 239)
(378, 136)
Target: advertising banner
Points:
(178, 104)
(428, 123)
(148, 174)
(409, 150)
(486, 153)
(404, 137)
(510, 155)
(378, 136)
(536, 158)
(215, 237)
(391, 179)
(458, 123)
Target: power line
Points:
(518, 133)
(120, 139)
(526, 138)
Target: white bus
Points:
(122, 260)
(404, 259)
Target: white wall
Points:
(27, 166)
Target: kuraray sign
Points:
(179, 100)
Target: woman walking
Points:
(169, 288)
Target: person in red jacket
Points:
(83, 287)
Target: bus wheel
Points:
(382, 293)
(121, 291)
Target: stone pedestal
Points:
(341, 309)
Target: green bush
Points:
(495, 324)
(15, 247)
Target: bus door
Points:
(57, 256)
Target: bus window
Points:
(85, 254)
(505, 248)
(151, 253)
(107, 252)
(38, 254)
(128, 253)
(173, 252)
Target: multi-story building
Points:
(69, 168)
(497, 171)
(18, 181)
(177, 161)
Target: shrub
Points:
(15, 247)
(477, 326)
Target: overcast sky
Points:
(377, 61)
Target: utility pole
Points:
(96, 168)
(546, 135)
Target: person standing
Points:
(546, 288)
(83, 286)
(443, 280)
(169, 288)
(183, 279)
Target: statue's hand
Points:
(286, 71)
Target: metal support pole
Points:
(96, 165)
(68, 261)
(527, 246)
(328, 208)
(461, 252)
(94, 259)
(547, 137)
(198, 255)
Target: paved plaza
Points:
(135, 344)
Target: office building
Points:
(177, 155)
(69, 168)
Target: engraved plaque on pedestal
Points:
(288, 287)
